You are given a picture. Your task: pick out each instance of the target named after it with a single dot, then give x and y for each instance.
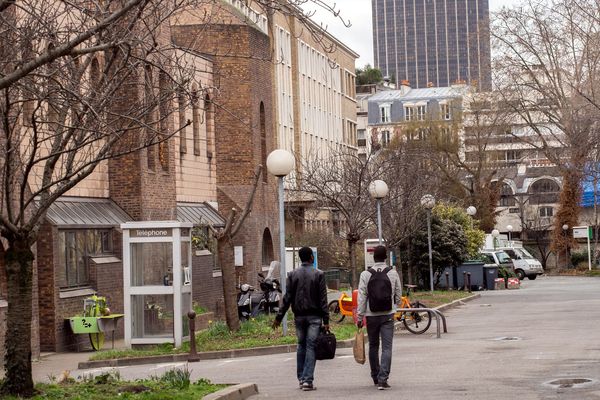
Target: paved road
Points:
(555, 321)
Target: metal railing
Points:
(436, 313)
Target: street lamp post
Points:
(495, 234)
(428, 201)
(281, 162)
(378, 190)
(509, 228)
(565, 229)
(471, 211)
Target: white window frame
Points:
(421, 112)
(445, 111)
(386, 138)
(385, 113)
(409, 113)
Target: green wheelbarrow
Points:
(96, 327)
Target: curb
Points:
(213, 355)
(208, 355)
(236, 392)
(458, 302)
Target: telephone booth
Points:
(157, 279)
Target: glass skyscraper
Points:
(433, 42)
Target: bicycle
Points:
(416, 322)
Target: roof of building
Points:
(199, 213)
(86, 211)
(421, 94)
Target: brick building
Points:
(236, 120)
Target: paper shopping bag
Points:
(358, 347)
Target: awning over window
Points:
(199, 214)
(86, 211)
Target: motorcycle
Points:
(271, 289)
(248, 302)
(251, 304)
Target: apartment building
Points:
(433, 42)
(396, 113)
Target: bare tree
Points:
(547, 67)
(234, 222)
(341, 181)
(68, 75)
(81, 83)
(409, 177)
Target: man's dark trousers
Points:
(381, 326)
(307, 330)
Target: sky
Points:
(359, 36)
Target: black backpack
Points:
(379, 290)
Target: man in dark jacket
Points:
(306, 292)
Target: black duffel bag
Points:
(325, 345)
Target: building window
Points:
(263, 140)
(417, 134)
(421, 110)
(385, 138)
(182, 122)
(209, 110)
(362, 138)
(385, 112)
(445, 111)
(195, 120)
(164, 88)
(408, 113)
(76, 247)
(149, 117)
(512, 155)
(544, 191)
(506, 196)
(546, 211)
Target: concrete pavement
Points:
(506, 344)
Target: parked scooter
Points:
(271, 289)
(248, 302)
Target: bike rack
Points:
(437, 313)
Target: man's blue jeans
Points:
(307, 330)
(380, 327)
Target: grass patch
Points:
(254, 333)
(174, 384)
(438, 297)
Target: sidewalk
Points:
(53, 364)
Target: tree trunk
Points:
(229, 294)
(351, 255)
(17, 362)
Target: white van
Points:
(525, 264)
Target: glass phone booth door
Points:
(157, 278)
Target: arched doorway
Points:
(267, 248)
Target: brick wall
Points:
(207, 290)
(106, 279)
(243, 73)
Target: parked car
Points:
(497, 257)
(525, 264)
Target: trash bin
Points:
(490, 275)
(451, 278)
(477, 276)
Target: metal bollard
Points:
(448, 281)
(469, 281)
(465, 280)
(193, 353)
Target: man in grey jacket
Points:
(380, 324)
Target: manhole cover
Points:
(507, 338)
(570, 382)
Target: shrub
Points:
(578, 257)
